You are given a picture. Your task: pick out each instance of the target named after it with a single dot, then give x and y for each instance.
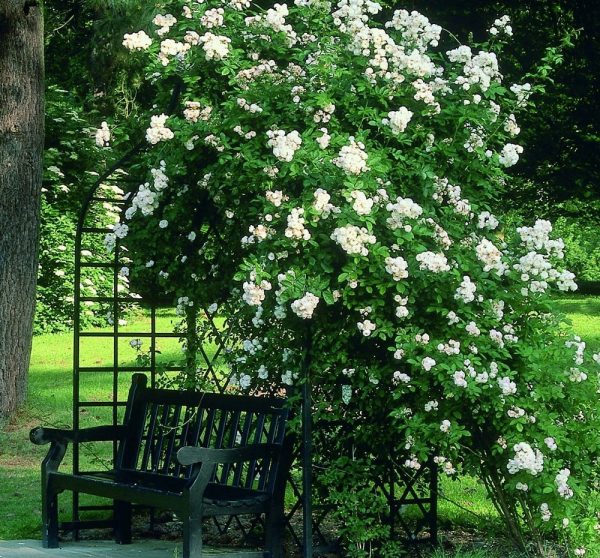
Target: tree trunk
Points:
(21, 148)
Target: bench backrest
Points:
(161, 421)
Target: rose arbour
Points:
(333, 171)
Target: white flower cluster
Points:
(441, 236)
(538, 238)
(324, 140)
(509, 156)
(481, 69)
(445, 426)
(214, 141)
(322, 203)
(158, 131)
(353, 239)
(284, 145)
(460, 379)
(352, 158)
(212, 18)
(466, 290)
(305, 306)
(545, 512)
(164, 23)
(450, 348)
(490, 256)
(447, 466)
(397, 267)
(171, 48)
(487, 221)
(362, 205)
(417, 32)
(400, 378)
(194, 111)
(324, 115)
(250, 107)
(579, 349)
(476, 139)
(103, 135)
(436, 263)
(507, 386)
(274, 19)
(404, 208)
(295, 225)
(401, 310)
(511, 126)
(147, 195)
(460, 55)
(216, 47)
(526, 459)
(444, 191)
(366, 327)
(502, 25)
(255, 294)
(576, 375)
(522, 92)
(431, 405)
(136, 41)
(275, 197)
(561, 480)
(398, 120)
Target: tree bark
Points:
(21, 149)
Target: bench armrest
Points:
(191, 455)
(41, 436)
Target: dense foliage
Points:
(331, 174)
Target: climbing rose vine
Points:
(334, 173)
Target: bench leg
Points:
(49, 519)
(274, 531)
(192, 537)
(122, 522)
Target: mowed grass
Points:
(463, 506)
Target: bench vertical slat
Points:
(230, 443)
(268, 477)
(208, 432)
(188, 417)
(133, 446)
(194, 439)
(245, 434)
(170, 461)
(160, 438)
(258, 436)
(223, 419)
(208, 429)
(149, 436)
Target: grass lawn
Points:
(463, 506)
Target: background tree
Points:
(21, 145)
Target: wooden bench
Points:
(198, 454)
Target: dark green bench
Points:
(198, 454)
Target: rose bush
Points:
(333, 172)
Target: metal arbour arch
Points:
(111, 188)
(310, 533)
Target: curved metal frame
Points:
(312, 522)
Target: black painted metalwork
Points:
(315, 537)
(199, 454)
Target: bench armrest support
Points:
(41, 436)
